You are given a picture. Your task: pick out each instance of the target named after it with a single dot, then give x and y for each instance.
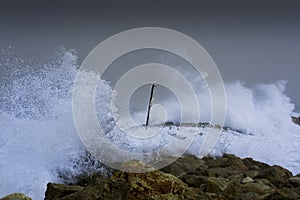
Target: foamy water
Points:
(39, 141)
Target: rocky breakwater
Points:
(226, 177)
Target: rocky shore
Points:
(227, 177)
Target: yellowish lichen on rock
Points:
(16, 196)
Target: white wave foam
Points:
(39, 140)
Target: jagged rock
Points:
(221, 172)
(254, 165)
(100, 189)
(296, 120)
(237, 164)
(136, 166)
(276, 175)
(123, 185)
(258, 188)
(251, 173)
(215, 185)
(228, 160)
(247, 180)
(295, 181)
(266, 182)
(226, 177)
(186, 164)
(212, 196)
(157, 185)
(194, 180)
(291, 193)
(16, 196)
(237, 178)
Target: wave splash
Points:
(39, 142)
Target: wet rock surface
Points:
(296, 120)
(226, 177)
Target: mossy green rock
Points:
(216, 185)
(276, 175)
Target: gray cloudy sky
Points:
(253, 41)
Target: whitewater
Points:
(39, 142)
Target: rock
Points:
(235, 163)
(254, 165)
(237, 179)
(16, 196)
(247, 180)
(251, 173)
(212, 196)
(135, 166)
(276, 175)
(289, 193)
(276, 195)
(193, 180)
(295, 181)
(221, 172)
(222, 178)
(215, 185)
(246, 196)
(266, 182)
(186, 164)
(296, 120)
(258, 188)
(101, 189)
(122, 185)
(157, 185)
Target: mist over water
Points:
(39, 141)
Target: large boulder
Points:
(156, 185)
(295, 181)
(216, 185)
(276, 175)
(16, 196)
(100, 189)
(185, 164)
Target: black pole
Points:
(150, 103)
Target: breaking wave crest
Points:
(39, 142)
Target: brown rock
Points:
(157, 185)
(101, 189)
(186, 164)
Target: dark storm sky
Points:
(252, 41)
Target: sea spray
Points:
(39, 142)
(38, 137)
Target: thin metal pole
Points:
(150, 103)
